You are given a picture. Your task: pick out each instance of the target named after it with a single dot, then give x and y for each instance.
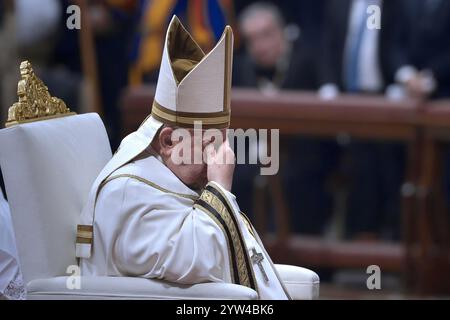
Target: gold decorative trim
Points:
(149, 183)
(83, 236)
(82, 240)
(248, 224)
(84, 233)
(244, 268)
(193, 115)
(228, 70)
(217, 120)
(35, 102)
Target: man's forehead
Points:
(206, 134)
(259, 20)
(204, 131)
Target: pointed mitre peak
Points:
(193, 86)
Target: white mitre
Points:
(191, 87)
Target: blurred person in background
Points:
(7, 55)
(304, 15)
(420, 51)
(274, 60)
(354, 56)
(204, 19)
(37, 31)
(113, 26)
(26, 29)
(112, 23)
(420, 61)
(354, 61)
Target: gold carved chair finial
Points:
(35, 102)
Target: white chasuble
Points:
(147, 223)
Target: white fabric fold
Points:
(131, 146)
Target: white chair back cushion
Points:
(48, 168)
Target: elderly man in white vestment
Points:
(148, 216)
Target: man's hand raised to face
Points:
(221, 164)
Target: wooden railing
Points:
(423, 255)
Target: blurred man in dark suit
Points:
(273, 60)
(354, 61)
(306, 14)
(353, 56)
(420, 54)
(420, 58)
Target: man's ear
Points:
(165, 140)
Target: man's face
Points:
(264, 38)
(192, 173)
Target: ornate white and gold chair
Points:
(50, 157)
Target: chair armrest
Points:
(301, 283)
(111, 288)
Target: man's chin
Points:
(198, 185)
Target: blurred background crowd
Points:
(324, 46)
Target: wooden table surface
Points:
(299, 113)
